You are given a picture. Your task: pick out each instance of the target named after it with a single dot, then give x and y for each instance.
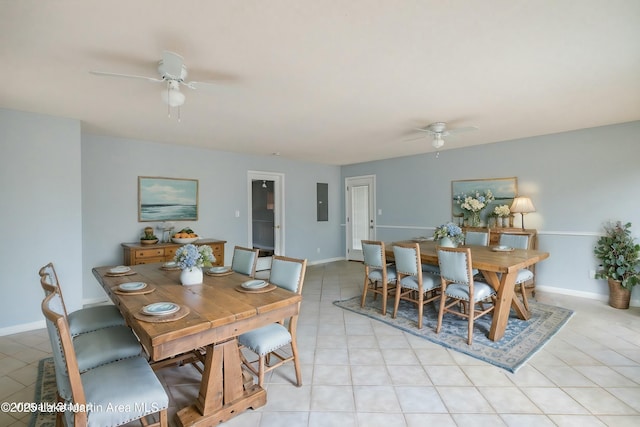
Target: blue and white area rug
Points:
(522, 339)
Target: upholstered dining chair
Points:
(129, 385)
(244, 260)
(85, 319)
(96, 343)
(286, 273)
(479, 238)
(377, 273)
(413, 284)
(460, 293)
(520, 241)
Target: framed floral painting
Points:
(475, 199)
(167, 199)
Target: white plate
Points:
(170, 264)
(218, 269)
(254, 284)
(160, 308)
(502, 249)
(120, 269)
(132, 286)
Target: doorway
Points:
(266, 212)
(360, 221)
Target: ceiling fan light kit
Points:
(172, 96)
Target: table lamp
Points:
(522, 205)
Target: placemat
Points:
(128, 273)
(169, 268)
(147, 290)
(184, 310)
(267, 288)
(226, 273)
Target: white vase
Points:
(447, 243)
(191, 276)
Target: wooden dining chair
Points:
(85, 319)
(460, 293)
(130, 386)
(378, 274)
(99, 341)
(244, 260)
(413, 284)
(286, 273)
(520, 241)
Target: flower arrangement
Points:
(451, 231)
(502, 211)
(475, 203)
(189, 256)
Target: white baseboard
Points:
(24, 327)
(326, 261)
(589, 295)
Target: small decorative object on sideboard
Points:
(149, 238)
(184, 236)
(620, 257)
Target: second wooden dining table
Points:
(215, 313)
(499, 269)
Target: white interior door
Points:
(272, 184)
(360, 221)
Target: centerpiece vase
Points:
(191, 276)
(447, 242)
(474, 219)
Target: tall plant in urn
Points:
(620, 257)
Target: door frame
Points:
(348, 181)
(278, 210)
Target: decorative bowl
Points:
(184, 241)
(148, 242)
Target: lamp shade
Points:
(522, 205)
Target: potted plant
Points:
(620, 257)
(448, 235)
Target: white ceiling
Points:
(331, 81)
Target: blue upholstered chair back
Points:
(454, 265)
(373, 255)
(287, 273)
(518, 241)
(407, 259)
(244, 260)
(479, 238)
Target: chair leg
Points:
(296, 362)
(471, 314)
(384, 298)
(443, 301)
(364, 291)
(397, 300)
(261, 366)
(523, 291)
(420, 308)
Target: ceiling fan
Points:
(438, 131)
(172, 72)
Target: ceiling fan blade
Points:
(128, 76)
(460, 130)
(429, 131)
(172, 64)
(413, 139)
(196, 85)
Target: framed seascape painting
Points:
(167, 199)
(502, 190)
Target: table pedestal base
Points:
(223, 393)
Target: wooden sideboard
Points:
(136, 253)
(494, 239)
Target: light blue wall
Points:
(577, 180)
(41, 216)
(110, 170)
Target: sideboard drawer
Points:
(149, 260)
(150, 253)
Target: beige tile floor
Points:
(359, 372)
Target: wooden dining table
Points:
(216, 313)
(499, 269)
